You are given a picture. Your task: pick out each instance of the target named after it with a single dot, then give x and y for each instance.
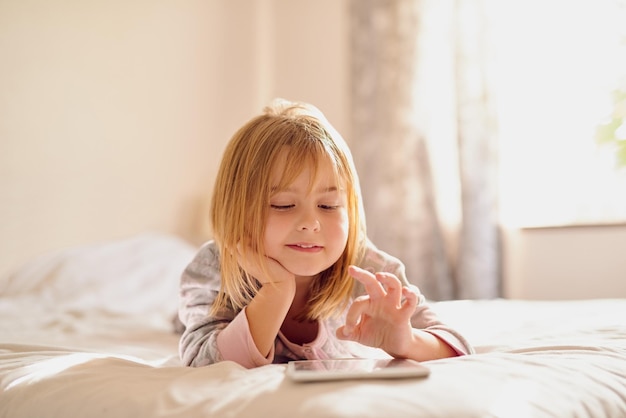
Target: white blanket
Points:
(87, 333)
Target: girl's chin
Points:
(305, 277)
(306, 272)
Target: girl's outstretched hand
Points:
(382, 318)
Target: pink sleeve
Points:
(235, 343)
(457, 343)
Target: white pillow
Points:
(135, 275)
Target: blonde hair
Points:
(242, 191)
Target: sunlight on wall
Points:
(558, 63)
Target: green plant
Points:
(613, 132)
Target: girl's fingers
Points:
(392, 286)
(353, 316)
(410, 300)
(386, 300)
(378, 285)
(372, 286)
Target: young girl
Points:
(290, 273)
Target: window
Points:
(561, 66)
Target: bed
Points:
(87, 332)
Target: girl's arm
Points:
(266, 313)
(199, 287)
(267, 310)
(246, 337)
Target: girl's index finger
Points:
(372, 286)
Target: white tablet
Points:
(354, 368)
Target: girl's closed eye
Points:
(282, 207)
(329, 207)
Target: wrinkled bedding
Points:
(87, 332)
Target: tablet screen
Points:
(354, 368)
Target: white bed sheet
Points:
(87, 333)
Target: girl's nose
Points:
(309, 222)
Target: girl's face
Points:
(306, 229)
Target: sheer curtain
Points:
(423, 139)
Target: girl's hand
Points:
(271, 272)
(382, 318)
(268, 308)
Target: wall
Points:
(565, 262)
(114, 115)
(312, 56)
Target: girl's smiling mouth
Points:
(306, 247)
